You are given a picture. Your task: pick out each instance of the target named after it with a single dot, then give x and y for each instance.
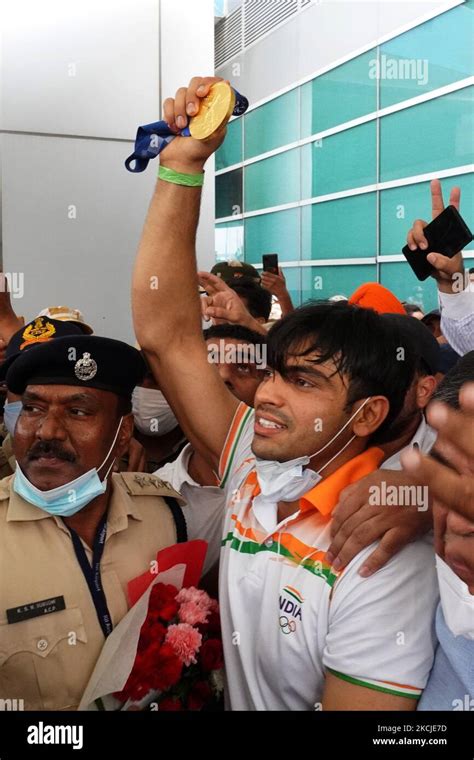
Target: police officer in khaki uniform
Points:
(72, 535)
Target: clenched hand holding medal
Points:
(220, 103)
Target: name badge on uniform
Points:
(35, 609)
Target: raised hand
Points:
(276, 284)
(186, 154)
(223, 305)
(445, 268)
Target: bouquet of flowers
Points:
(179, 662)
(166, 653)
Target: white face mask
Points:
(456, 601)
(151, 411)
(287, 481)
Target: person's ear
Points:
(425, 388)
(125, 434)
(370, 417)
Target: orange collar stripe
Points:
(325, 495)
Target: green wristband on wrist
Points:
(178, 178)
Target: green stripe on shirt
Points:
(375, 686)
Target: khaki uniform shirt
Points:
(47, 660)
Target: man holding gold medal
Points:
(297, 634)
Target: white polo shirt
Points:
(287, 618)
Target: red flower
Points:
(199, 695)
(211, 655)
(169, 704)
(167, 669)
(150, 659)
(163, 601)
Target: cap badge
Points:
(85, 368)
(38, 332)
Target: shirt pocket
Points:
(42, 660)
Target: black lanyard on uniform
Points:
(92, 573)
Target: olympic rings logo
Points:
(287, 626)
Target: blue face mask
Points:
(69, 498)
(11, 412)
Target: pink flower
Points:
(195, 596)
(192, 613)
(185, 641)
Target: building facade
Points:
(354, 108)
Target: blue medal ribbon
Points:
(152, 138)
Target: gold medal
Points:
(215, 110)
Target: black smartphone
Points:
(270, 262)
(447, 234)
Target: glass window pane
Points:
(326, 281)
(230, 152)
(272, 125)
(339, 162)
(229, 193)
(342, 94)
(429, 56)
(272, 181)
(273, 233)
(400, 206)
(438, 134)
(345, 228)
(399, 278)
(229, 238)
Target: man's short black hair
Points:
(424, 345)
(259, 300)
(369, 350)
(234, 332)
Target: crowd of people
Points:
(325, 453)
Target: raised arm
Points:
(165, 300)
